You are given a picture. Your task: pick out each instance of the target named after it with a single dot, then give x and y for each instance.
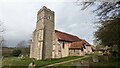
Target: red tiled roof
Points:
(66, 37)
(85, 42)
(76, 44)
(79, 44)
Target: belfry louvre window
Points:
(49, 17)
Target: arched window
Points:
(63, 45)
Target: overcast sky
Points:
(19, 17)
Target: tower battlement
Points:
(45, 8)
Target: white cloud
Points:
(20, 18)
(37, 1)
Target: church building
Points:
(50, 43)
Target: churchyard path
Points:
(66, 61)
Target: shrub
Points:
(16, 52)
(114, 53)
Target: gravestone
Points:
(95, 59)
(31, 65)
(21, 57)
(83, 64)
(106, 57)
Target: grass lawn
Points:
(112, 62)
(15, 62)
(51, 61)
(18, 63)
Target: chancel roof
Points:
(66, 37)
(79, 44)
(76, 42)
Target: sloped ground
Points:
(112, 62)
(15, 62)
(68, 61)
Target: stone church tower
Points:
(42, 39)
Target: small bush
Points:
(114, 53)
(16, 52)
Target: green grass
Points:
(0, 62)
(113, 61)
(73, 63)
(17, 63)
(51, 61)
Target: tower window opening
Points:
(49, 17)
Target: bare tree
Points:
(22, 45)
(1, 38)
(104, 10)
(108, 32)
(1, 34)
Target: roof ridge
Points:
(67, 36)
(66, 33)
